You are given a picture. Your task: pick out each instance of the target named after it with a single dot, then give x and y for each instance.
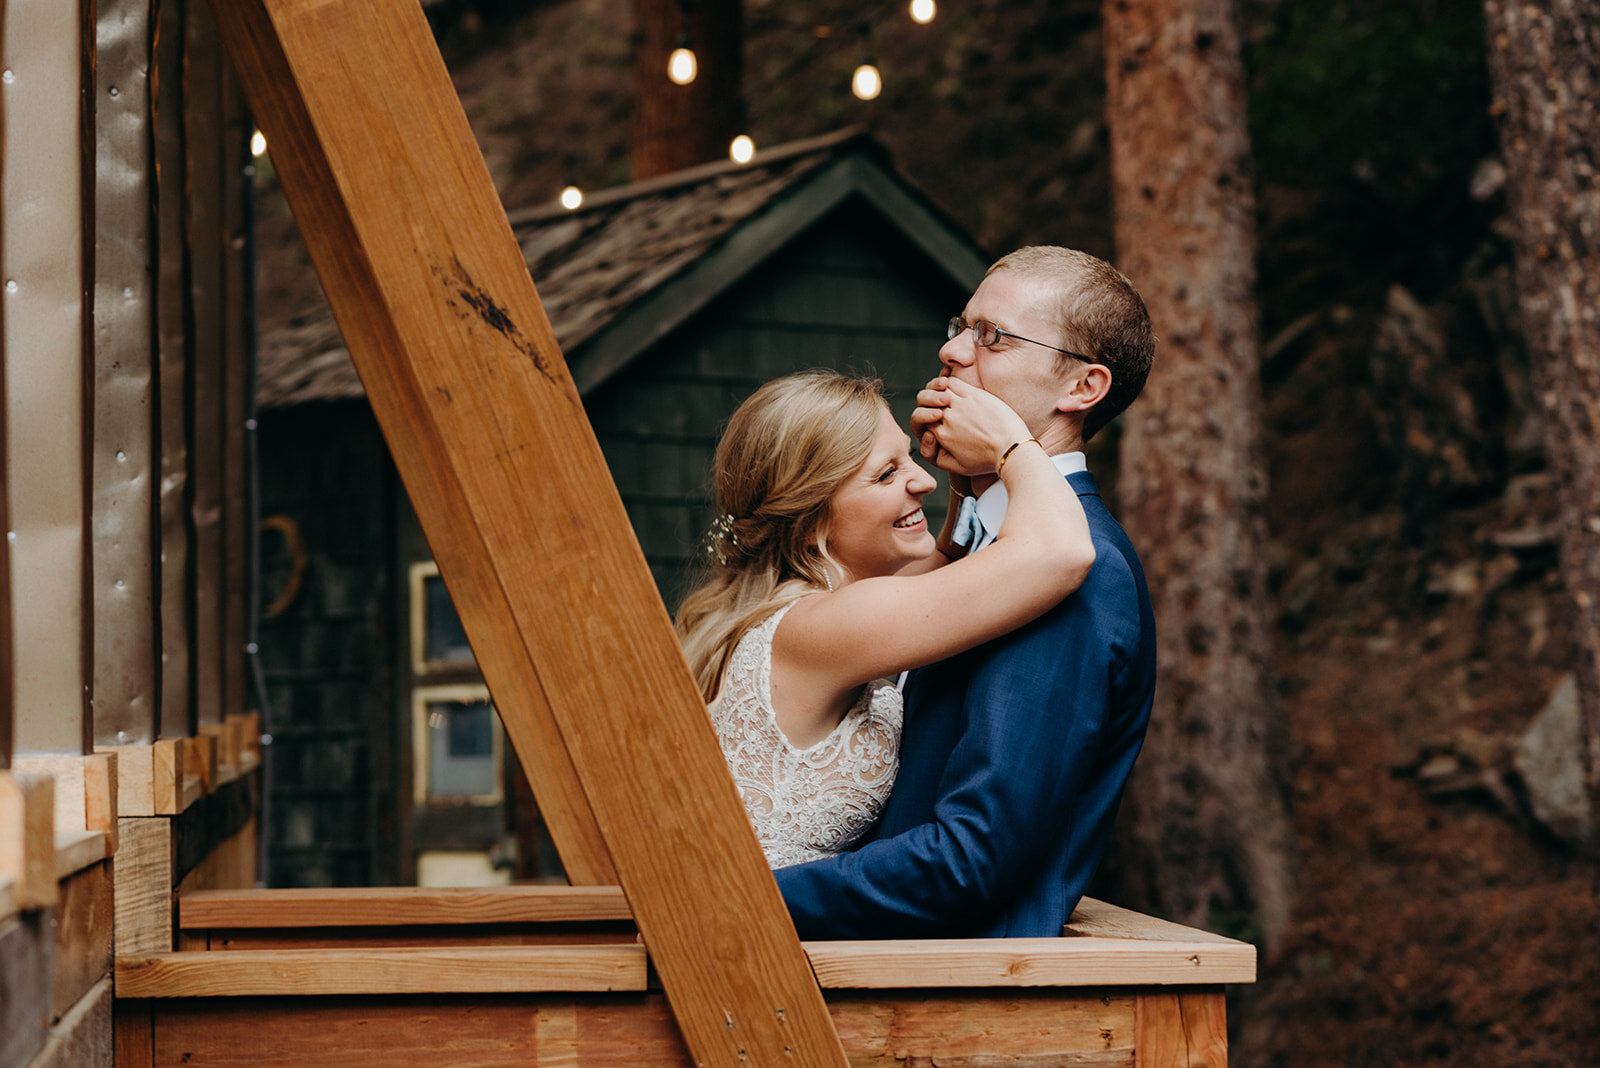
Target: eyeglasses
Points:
(986, 335)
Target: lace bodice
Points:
(813, 802)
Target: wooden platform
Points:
(555, 975)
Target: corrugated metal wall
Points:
(125, 323)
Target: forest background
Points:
(1440, 913)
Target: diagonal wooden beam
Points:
(457, 357)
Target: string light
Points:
(742, 150)
(682, 65)
(866, 82)
(258, 144)
(922, 11)
(571, 197)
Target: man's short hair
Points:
(1100, 315)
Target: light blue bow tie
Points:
(969, 529)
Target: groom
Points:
(1015, 753)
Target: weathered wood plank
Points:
(82, 936)
(74, 852)
(982, 1028)
(486, 1032)
(82, 1037)
(400, 906)
(133, 1034)
(24, 986)
(228, 865)
(1028, 962)
(172, 776)
(378, 970)
(1187, 1029)
(1101, 919)
(100, 797)
(457, 357)
(611, 932)
(961, 1029)
(27, 836)
(145, 872)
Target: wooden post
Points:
(487, 430)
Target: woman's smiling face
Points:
(875, 522)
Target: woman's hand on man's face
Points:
(963, 428)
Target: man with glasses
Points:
(1015, 753)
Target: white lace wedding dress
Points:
(813, 802)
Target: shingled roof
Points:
(635, 261)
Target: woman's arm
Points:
(829, 645)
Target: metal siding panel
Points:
(44, 344)
(124, 679)
(202, 116)
(177, 716)
(237, 384)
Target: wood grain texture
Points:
(1028, 962)
(24, 986)
(77, 851)
(136, 793)
(486, 1032)
(27, 836)
(100, 796)
(1100, 919)
(446, 331)
(981, 1028)
(1182, 1030)
(400, 906)
(82, 1036)
(229, 865)
(145, 870)
(66, 776)
(82, 952)
(169, 775)
(959, 1029)
(133, 1034)
(378, 970)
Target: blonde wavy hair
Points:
(785, 451)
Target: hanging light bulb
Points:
(742, 150)
(571, 198)
(258, 144)
(922, 11)
(866, 82)
(682, 65)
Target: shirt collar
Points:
(992, 502)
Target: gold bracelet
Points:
(1001, 466)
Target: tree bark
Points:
(677, 126)
(1544, 62)
(1209, 839)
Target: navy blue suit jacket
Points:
(1013, 759)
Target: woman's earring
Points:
(827, 576)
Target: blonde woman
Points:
(826, 583)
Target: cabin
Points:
(131, 930)
(672, 299)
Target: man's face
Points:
(1020, 373)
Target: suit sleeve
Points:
(1036, 706)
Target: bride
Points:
(826, 582)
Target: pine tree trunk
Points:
(1544, 60)
(1208, 818)
(677, 126)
